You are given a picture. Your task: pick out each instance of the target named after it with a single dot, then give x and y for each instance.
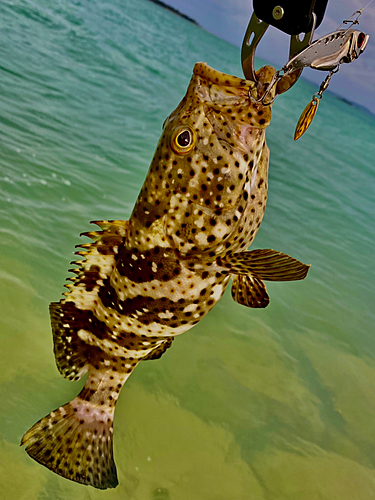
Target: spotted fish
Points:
(144, 281)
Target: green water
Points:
(274, 404)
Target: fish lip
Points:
(253, 90)
(203, 70)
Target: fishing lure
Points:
(325, 54)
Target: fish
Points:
(139, 283)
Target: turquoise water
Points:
(274, 404)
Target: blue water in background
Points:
(274, 404)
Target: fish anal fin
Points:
(76, 443)
(249, 291)
(268, 265)
(70, 351)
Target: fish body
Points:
(146, 280)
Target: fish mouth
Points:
(221, 87)
(232, 105)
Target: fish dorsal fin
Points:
(268, 265)
(73, 312)
(249, 291)
(99, 260)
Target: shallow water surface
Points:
(274, 404)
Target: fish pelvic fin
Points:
(159, 351)
(249, 291)
(75, 440)
(268, 265)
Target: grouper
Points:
(143, 281)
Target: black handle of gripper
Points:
(290, 16)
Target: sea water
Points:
(273, 404)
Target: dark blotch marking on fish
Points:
(153, 264)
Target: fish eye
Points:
(183, 139)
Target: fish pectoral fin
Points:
(249, 291)
(268, 265)
(159, 351)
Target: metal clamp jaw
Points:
(291, 17)
(254, 33)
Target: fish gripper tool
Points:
(294, 19)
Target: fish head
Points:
(221, 113)
(204, 165)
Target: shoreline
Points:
(175, 11)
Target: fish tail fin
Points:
(75, 441)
